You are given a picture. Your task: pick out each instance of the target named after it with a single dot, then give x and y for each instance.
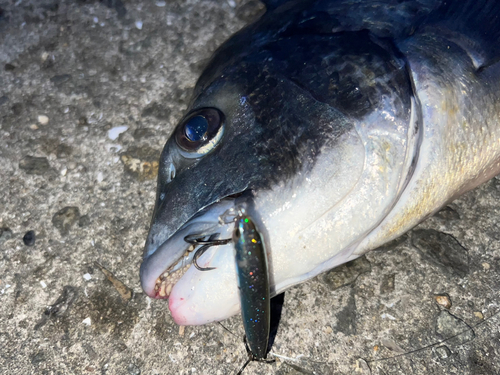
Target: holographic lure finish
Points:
(253, 282)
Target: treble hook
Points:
(195, 239)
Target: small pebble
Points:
(479, 315)
(87, 321)
(387, 316)
(33, 127)
(42, 283)
(443, 352)
(443, 300)
(113, 133)
(64, 171)
(29, 238)
(133, 369)
(5, 235)
(486, 266)
(43, 120)
(87, 276)
(45, 56)
(138, 25)
(161, 3)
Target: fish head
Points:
(310, 133)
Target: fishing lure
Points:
(253, 281)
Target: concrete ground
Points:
(89, 92)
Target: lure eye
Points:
(200, 132)
(236, 234)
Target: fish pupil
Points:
(196, 128)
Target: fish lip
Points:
(164, 260)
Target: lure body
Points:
(253, 282)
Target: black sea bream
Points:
(340, 124)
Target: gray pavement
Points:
(89, 92)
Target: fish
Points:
(340, 124)
(253, 283)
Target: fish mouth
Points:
(171, 260)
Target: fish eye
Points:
(196, 128)
(200, 132)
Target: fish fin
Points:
(474, 25)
